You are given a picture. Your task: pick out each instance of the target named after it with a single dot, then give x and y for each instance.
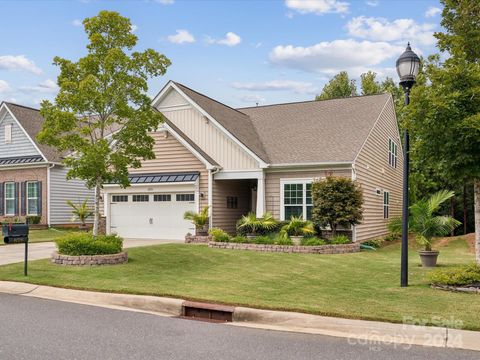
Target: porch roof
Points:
(178, 177)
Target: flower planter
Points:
(428, 258)
(90, 260)
(296, 239)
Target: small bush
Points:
(282, 239)
(312, 241)
(391, 237)
(239, 239)
(263, 240)
(34, 220)
(376, 243)
(340, 239)
(463, 275)
(219, 235)
(84, 244)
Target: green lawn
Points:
(44, 235)
(363, 285)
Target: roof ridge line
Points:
(23, 106)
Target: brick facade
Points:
(27, 174)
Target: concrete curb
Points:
(357, 331)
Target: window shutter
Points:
(23, 196)
(16, 199)
(2, 200)
(39, 198)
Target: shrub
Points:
(219, 235)
(312, 241)
(264, 240)
(80, 211)
(76, 244)
(199, 220)
(283, 239)
(394, 227)
(34, 220)
(463, 275)
(376, 243)
(391, 237)
(336, 201)
(250, 224)
(340, 239)
(239, 239)
(296, 226)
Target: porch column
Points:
(260, 195)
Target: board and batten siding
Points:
(374, 172)
(273, 190)
(205, 134)
(223, 217)
(20, 145)
(172, 156)
(62, 190)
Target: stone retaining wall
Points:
(197, 239)
(88, 260)
(321, 249)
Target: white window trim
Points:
(5, 200)
(8, 139)
(303, 181)
(31, 198)
(394, 152)
(386, 205)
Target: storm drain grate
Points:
(208, 312)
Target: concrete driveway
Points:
(14, 253)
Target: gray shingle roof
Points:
(316, 131)
(236, 122)
(32, 121)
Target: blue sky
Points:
(238, 52)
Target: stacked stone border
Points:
(89, 260)
(321, 249)
(466, 288)
(197, 239)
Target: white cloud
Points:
(230, 39)
(182, 36)
(298, 87)
(372, 3)
(134, 27)
(253, 99)
(77, 22)
(331, 57)
(18, 62)
(317, 7)
(4, 87)
(400, 30)
(432, 11)
(47, 87)
(165, 2)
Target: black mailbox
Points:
(15, 233)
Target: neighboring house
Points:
(258, 159)
(32, 179)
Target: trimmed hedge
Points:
(463, 275)
(77, 244)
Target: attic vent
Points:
(378, 192)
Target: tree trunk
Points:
(465, 211)
(476, 185)
(334, 230)
(96, 219)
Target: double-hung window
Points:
(386, 204)
(32, 198)
(296, 199)
(10, 199)
(392, 153)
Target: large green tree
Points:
(102, 114)
(444, 114)
(340, 86)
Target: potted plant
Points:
(251, 225)
(80, 212)
(297, 228)
(200, 220)
(425, 224)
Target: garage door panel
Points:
(152, 219)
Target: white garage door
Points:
(152, 215)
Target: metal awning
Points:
(163, 178)
(20, 160)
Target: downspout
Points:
(48, 194)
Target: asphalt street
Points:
(40, 329)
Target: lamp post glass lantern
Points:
(408, 66)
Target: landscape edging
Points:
(320, 249)
(89, 260)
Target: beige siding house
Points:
(258, 159)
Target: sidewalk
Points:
(14, 253)
(357, 331)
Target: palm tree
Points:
(200, 219)
(80, 211)
(251, 224)
(425, 224)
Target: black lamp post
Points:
(408, 65)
